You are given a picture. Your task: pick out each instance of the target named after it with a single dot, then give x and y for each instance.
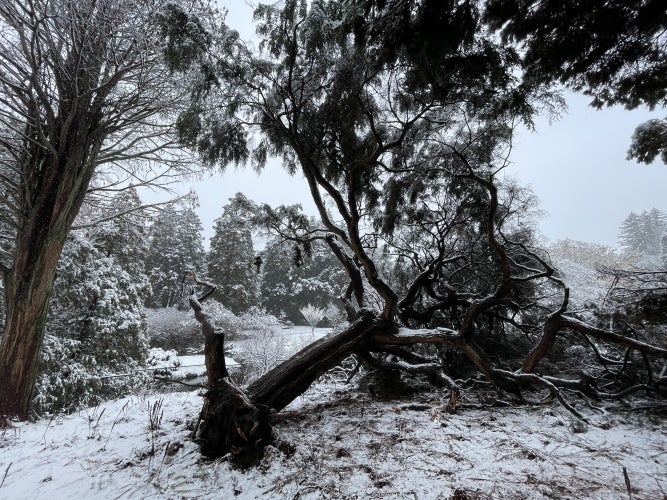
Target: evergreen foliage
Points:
(289, 284)
(176, 245)
(615, 52)
(231, 259)
(643, 233)
(612, 51)
(97, 323)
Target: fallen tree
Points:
(445, 277)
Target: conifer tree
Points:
(176, 245)
(97, 322)
(290, 282)
(643, 233)
(231, 259)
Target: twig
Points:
(627, 482)
(5, 476)
(536, 379)
(48, 425)
(354, 371)
(165, 379)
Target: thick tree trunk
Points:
(238, 423)
(28, 286)
(229, 422)
(52, 193)
(27, 298)
(280, 386)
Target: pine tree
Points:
(231, 259)
(643, 233)
(176, 245)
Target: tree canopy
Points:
(402, 150)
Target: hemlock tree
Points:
(390, 158)
(231, 258)
(175, 245)
(83, 85)
(97, 323)
(643, 233)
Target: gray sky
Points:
(576, 166)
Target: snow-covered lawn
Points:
(334, 442)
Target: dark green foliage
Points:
(231, 259)
(186, 37)
(291, 279)
(612, 51)
(615, 52)
(175, 245)
(649, 141)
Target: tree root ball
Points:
(232, 425)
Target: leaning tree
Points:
(83, 84)
(402, 165)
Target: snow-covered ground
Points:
(334, 442)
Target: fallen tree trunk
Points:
(237, 422)
(280, 386)
(229, 423)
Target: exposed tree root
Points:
(231, 424)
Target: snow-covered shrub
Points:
(231, 324)
(165, 361)
(333, 314)
(69, 378)
(171, 328)
(96, 338)
(312, 314)
(261, 347)
(256, 320)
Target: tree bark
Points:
(56, 198)
(26, 297)
(229, 422)
(280, 386)
(237, 423)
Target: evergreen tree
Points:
(231, 259)
(97, 322)
(643, 233)
(176, 245)
(291, 282)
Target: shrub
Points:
(69, 379)
(171, 329)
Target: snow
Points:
(334, 442)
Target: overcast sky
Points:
(576, 166)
